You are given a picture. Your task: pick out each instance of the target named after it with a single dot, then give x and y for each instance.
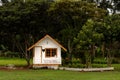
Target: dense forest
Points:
(87, 31)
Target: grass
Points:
(116, 66)
(30, 74)
(22, 62)
(57, 75)
(16, 61)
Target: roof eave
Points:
(51, 39)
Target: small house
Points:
(47, 53)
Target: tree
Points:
(111, 35)
(29, 21)
(24, 21)
(72, 15)
(86, 40)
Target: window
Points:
(51, 52)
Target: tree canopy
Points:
(70, 22)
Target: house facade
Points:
(47, 53)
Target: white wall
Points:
(48, 43)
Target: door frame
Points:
(40, 52)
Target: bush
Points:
(100, 61)
(116, 61)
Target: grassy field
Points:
(29, 74)
(56, 75)
(16, 61)
(22, 62)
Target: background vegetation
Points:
(87, 31)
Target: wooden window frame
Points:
(51, 50)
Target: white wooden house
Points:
(47, 53)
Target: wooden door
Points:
(37, 59)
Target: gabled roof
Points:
(46, 36)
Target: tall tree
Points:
(20, 22)
(86, 41)
(72, 15)
(111, 33)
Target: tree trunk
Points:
(27, 56)
(108, 58)
(69, 50)
(109, 54)
(88, 59)
(92, 52)
(28, 62)
(103, 49)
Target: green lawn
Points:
(22, 62)
(57, 75)
(30, 74)
(16, 61)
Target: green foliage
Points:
(79, 25)
(72, 15)
(86, 40)
(97, 33)
(20, 22)
(87, 36)
(111, 35)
